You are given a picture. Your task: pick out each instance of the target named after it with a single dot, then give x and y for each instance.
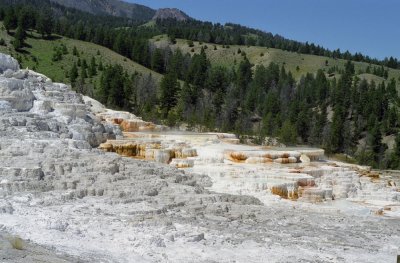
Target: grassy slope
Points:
(306, 63)
(151, 23)
(43, 51)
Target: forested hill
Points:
(110, 7)
(345, 103)
(234, 34)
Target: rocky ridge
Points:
(171, 13)
(110, 7)
(61, 192)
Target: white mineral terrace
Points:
(302, 174)
(152, 195)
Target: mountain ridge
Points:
(110, 7)
(171, 13)
(124, 9)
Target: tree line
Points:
(234, 34)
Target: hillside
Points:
(42, 50)
(110, 7)
(298, 64)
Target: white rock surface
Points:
(8, 63)
(59, 192)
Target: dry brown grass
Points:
(16, 242)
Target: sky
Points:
(371, 27)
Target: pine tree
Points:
(101, 67)
(394, 162)
(92, 67)
(244, 76)
(176, 64)
(75, 52)
(26, 19)
(376, 145)
(19, 38)
(45, 24)
(157, 61)
(169, 87)
(84, 64)
(288, 134)
(10, 20)
(336, 136)
(83, 74)
(2, 14)
(73, 75)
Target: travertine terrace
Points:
(229, 202)
(301, 174)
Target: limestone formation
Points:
(264, 156)
(128, 122)
(8, 63)
(305, 159)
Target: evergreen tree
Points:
(177, 64)
(184, 103)
(83, 74)
(19, 38)
(92, 67)
(288, 134)
(45, 24)
(113, 84)
(157, 61)
(377, 147)
(394, 162)
(169, 88)
(244, 76)
(84, 64)
(303, 124)
(197, 74)
(2, 14)
(26, 19)
(217, 79)
(336, 136)
(10, 20)
(101, 67)
(75, 52)
(141, 52)
(317, 127)
(73, 75)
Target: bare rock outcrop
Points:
(171, 13)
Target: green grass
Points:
(371, 77)
(42, 50)
(151, 23)
(298, 64)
